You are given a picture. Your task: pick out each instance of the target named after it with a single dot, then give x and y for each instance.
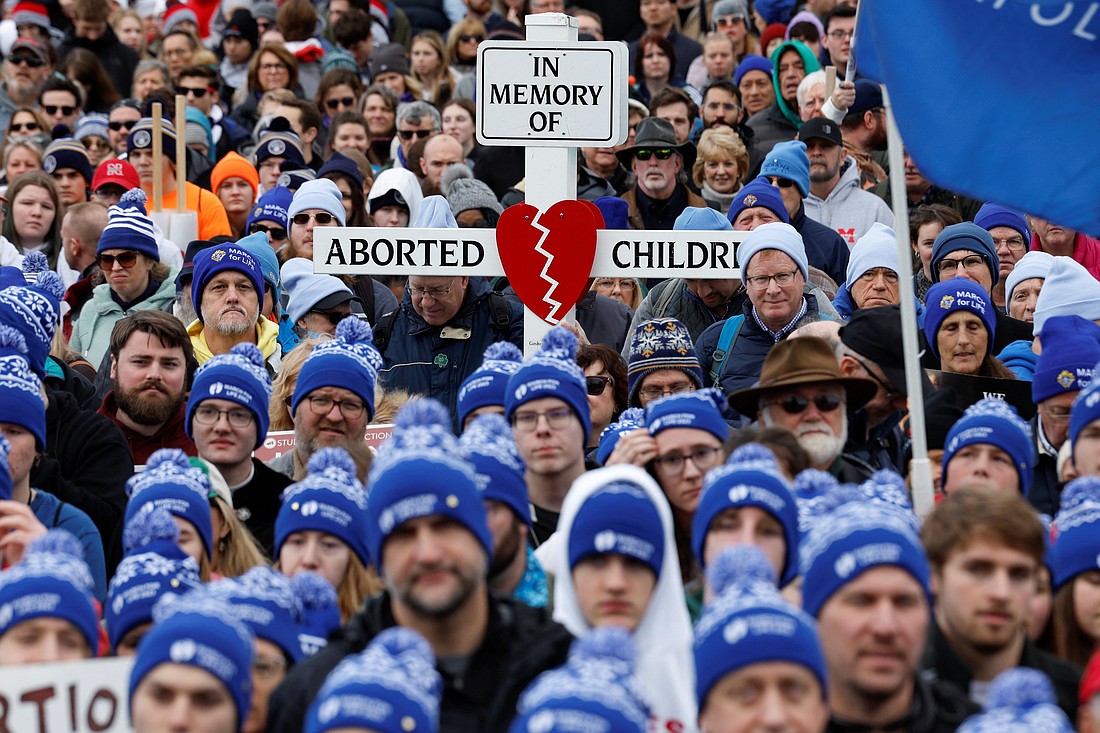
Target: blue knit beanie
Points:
(52, 581)
(618, 518)
(752, 62)
(1071, 349)
(392, 687)
(778, 236)
(349, 361)
(596, 690)
(966, 235)
(788, 160)
(170, 481)
(264, 600)
(853, 536)
(487, 385)
(340, 163)
(701, 410)
(957, 294)
(272, 206)
(1019, 700)
(33, 307)
(320, 610)
(141, 137)
(756, 193)
(154, 566)
(224, 257)
(259, 247)
(490, 447)
(1085, 410)
(129, 227)
(551, 372)
(994, 215)
(201, 631)
(419, 472)
(633, 418)
(748, 623)
(994, 422)
(749, 477)
(320, 194)
(239, 376)
(615, 212)
(68, 153)
(660, 343)
(20, 388)
(329, 499)
(704, 218)
(1076, 547)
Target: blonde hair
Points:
(238, 552)
(283, 388)
(720, 143)
(360, 583)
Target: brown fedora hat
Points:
(796, 361)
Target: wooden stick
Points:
(158, 153)
(830, 81)
(181, 154)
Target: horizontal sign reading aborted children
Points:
(402, 251)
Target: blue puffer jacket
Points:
(420, 360)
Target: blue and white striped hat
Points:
(129, 227)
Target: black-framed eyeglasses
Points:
(118, 125)
(434, 293)
(891, 392)
(408, 134)
(32, 61)
(970, 263)
(25, 127)
(596, 385)
(341, 102)
(322, 406)
(647, 153)
(126, 260)
(761, 282)
(65, 109)
(781, 182)
(237, 417)
(277, 234)
(796, 404)
(196, 92)
(673, 464)
(321, 217)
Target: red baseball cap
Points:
(119, 172)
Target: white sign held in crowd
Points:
(89, 696)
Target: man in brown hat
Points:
(802, 390)
(658, 162)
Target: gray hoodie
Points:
(848, 208)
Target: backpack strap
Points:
(730, 330)
(500, 312)
(384, 330)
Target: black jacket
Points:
(257, 503)
(119, 60)
(941, 662)
(520, 644)
(1046, 490)
(938, 707)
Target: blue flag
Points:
(995, 99)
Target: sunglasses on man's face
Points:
(338, 103)
(796, 404)
(118, 125)
(408, 134)
(646, 154)
(126, 260)
(32, 61)
(277, 234)
(52, 109)
(196, 92)
(781, 182)
(321, 217)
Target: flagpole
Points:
(920, 469)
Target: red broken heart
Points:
(548, 269)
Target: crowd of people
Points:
(688, 510)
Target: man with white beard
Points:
(802, 390)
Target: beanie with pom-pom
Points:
(491, 448)
(748, 622)
(657, 344)
(750, 477)
(129, 227)
(700, 409)
(21, 400)
(391, 687)
(170, 481)
(1019, 700)
(487, 384)
(551, 372)
(329, 499)
(320, 610)
(239, 376)
(618, 518)
(264, 600)
(633, 418)
(154, 566)
(33, 308)
(1076, 532)
(52, 581)
(349, 361)
(419, 472)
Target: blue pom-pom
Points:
(741, 565)
(887, 486)
(12, 339)
(5, 449)
(812, 482)
(58, 542)
(1020, 687)
(165, 456)
(1079, 491)
(50, 283)
(751, 453)
(633, 415)
(313, 591)
(250, 352)
(503, 351)
(327, 458)
(423, 412)
(560, 339)
(355, 331)
(399, 641)
(604, 643)
(150, 524)
(134, 194)
(716, 396)
(35, 262)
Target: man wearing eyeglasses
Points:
(415, 121)
(802, 390)
(658, 161)
(26, 69)
(840, 25)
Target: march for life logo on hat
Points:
(882, 553)
(745, 492)
(183, 650)
(623, 544)
(759, 624)
(1065, 378)
(947, 301)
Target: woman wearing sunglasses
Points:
(339, 91)
(462, 42)
(605, 382)
(28, 124)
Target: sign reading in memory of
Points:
(560, 94)
(385, 251)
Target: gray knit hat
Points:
(464, 192)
